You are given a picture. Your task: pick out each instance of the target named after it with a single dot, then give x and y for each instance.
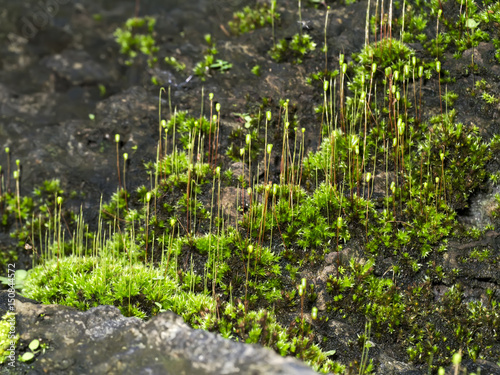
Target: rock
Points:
(229, 196)
(320, 278)
(103, 341)
(389, 366)
(481, 366)
(380, 183)
(482, 54)
(457, 252)
(77, 67)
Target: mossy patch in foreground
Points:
(142, 290)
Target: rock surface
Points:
(103, 341)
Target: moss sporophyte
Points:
(226, 229)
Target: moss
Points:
(295, 50)
(143, 291)
(137, 36)
(249, 19)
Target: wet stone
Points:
(480, 366)
(77, 67)
(389, 366)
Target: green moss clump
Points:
(250, 19)
(137, 36)
(143, 291)
(384, 54)
(296, 50)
